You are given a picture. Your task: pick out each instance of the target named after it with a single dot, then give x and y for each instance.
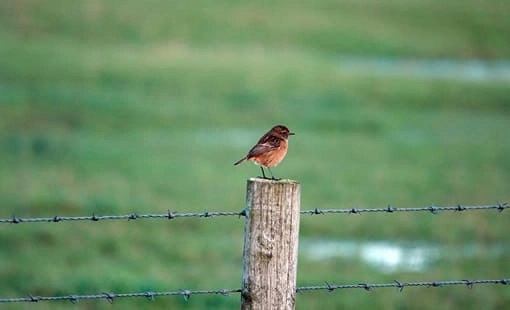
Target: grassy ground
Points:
(120, 107)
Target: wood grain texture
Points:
(270, 244)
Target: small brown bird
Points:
(269, 150)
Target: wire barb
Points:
(186, 294)
(73, 299)
(502, 206)
(354, 211)
(224, 292)
(432, 209)
(170, 215)
(330, 288)
(317, 212)
(460, 208)
(243, 212)
(109, 297)
(400, 285)
(149, 295)
(34, 298)
(469, 284)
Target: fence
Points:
(209, 214)
(271, 237)
(186, 294)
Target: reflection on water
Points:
(479, 70)
(391, 256)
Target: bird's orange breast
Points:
(271, 158)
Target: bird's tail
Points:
(240, 161)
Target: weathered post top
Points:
(270, 244)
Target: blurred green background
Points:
(113, 107)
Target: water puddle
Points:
(475, 70)
(388, 256)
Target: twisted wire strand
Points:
(111, 296)
(211, 214)
(401, 285)
(390, 209)
(186, 294)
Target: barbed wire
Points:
(209, 214)
(400, 285)
(132, 216)
(390, 209)
(186, 294)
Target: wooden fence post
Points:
(270, 244)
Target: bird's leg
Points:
(263, 174)
(272, 176)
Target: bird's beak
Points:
(291, 133)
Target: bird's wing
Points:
(270, 143)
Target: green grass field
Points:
(122, 106)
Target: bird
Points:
(269, 150)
